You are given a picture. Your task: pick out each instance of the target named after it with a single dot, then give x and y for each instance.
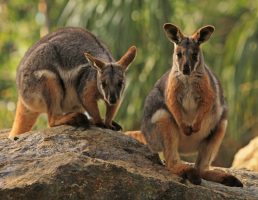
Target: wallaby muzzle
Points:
(112, 99)
(186, 70)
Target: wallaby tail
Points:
(221, 177)
(137, 135)
(24, 120)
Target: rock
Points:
(68, 163)
(247, 157)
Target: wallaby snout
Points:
(186, 69)
(113, 99)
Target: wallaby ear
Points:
(203, 34)
(95, 62)
(173, 33)
(128, 57)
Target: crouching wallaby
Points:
(54, 77)
(186, 112)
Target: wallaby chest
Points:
(189, 98)
(71, 101)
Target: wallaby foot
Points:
(187, 172)
(13, 138)
(116, 126)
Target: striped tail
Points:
(136, 135)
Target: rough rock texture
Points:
(247, 157)
(65, 163)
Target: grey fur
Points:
(60, 56)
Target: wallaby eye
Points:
(120, 84)
(104, 84)
(194, 56)
(179, 55)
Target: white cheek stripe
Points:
(103, 93)
(197, 62)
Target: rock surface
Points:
(68, 163)
(247, 157)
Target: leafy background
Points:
(231, 52)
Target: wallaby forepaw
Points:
(195, 127)
(231, 181)
(100, 125)
(193, 176)
(116, 126)
(187, 129)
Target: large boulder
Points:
(247, 157)
(69, 163)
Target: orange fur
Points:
(165, 126)
(208, 96)
(128, 57)
(137, 135)
(172, 89)
(24, 119)
(209, 149)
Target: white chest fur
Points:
(189, 101)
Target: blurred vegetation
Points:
(231, 52)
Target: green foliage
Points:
(231, 52)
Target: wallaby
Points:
(186, 112)
(54, 77)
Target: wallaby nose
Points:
(186, 69)
(112, 99)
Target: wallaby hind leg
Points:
(72, 119)
(207, 153)
(53, 95)
(168, 128)
(170, 134)
(24, 120)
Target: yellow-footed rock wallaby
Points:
(64, 75)
(186, 111)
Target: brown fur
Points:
(24, 119)
(90, 102)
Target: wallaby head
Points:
(187, 53)
(111, 75)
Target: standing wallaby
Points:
(186, 112)
(54, 77)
